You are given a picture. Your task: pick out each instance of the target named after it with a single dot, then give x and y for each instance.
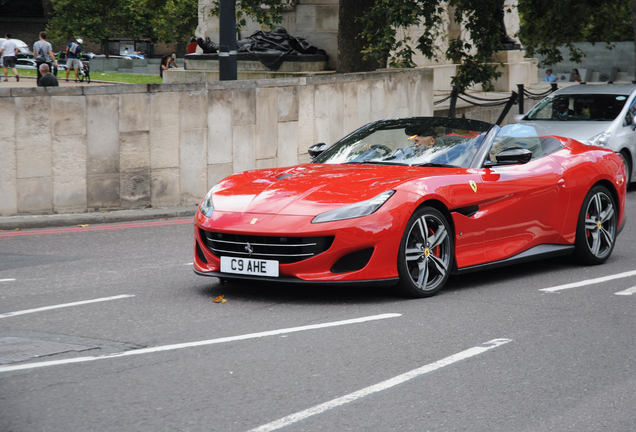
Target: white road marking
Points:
(589, 282)
(7, 280)
(628, 291)
(198, 343)
(10, 314)
(189, 264)
(415, 373)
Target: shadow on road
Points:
(276, 292)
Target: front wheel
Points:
(628, 165)
(88, 78)
(596, 227)
(81, 77)
(425, 258)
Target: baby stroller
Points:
(84, 72)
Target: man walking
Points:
(73, 56)
(43, 52)
(9, 53)
(47, 79)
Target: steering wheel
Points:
(380, 148)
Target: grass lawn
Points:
(102, 76)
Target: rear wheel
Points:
(425, 258)
(81, 77)
(88, 77)
(596, 228)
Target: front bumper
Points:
(380, 232)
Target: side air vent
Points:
(200, 253)
(467, 211)
(353, 261)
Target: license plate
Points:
(249, 266)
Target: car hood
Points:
(310, 189)
(578, 130)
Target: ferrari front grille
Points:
(285, 250)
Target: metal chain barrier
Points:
(509, 101)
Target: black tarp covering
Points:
(272, 48)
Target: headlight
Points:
(206, 206)
(601, 139)
(356, 210)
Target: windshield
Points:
(579, 107)
(414, 142)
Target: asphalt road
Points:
(492, 352)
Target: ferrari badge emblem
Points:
(473, 185)
(253, 221)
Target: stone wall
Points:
(78, 149)
(599, 64)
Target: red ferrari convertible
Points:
(410, 202)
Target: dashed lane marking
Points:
(46, 308)
(589, 282)
(415, 373)
(198, 343)
(629, 291)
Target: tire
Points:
(596, 228)
(628, 166)
(81, 77)
(88, 78)
(425, 258)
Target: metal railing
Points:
(507, 102)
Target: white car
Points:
(597, 114)
(29, 63)
(23, 48)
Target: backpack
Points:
(73, 47)
(41, 58)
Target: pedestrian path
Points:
(27, 81)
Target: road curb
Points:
(93, 218)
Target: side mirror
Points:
(316, 149)
(518, 118)
(513, 156)
(633, 121)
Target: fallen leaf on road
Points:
(83, 225)
(219, 299)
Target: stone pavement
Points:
(8, 223)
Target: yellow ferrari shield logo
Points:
(253, 221)
(473, 185)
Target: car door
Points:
(524, 204)
(624, 136)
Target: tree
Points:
(350, 42)
(473, 49)
(100, 21)
(548, 27)
(176, 21)
(267, 13)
